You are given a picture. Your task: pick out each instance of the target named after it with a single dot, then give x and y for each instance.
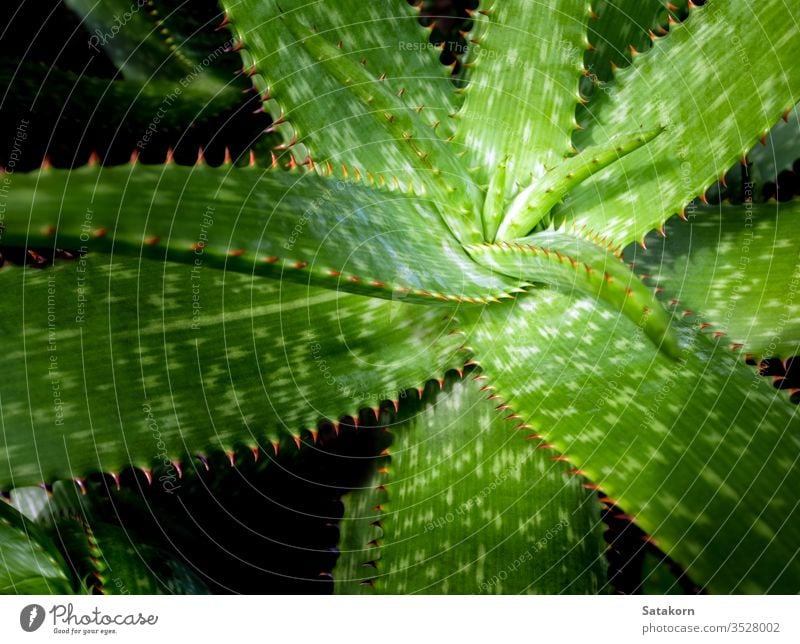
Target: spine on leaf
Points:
(531, 206)
(569, 263)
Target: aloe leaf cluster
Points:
(512, 285)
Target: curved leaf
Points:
(702, 452)
(712, 118)
(575, 265)
(485, 513)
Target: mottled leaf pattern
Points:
(574, 265)
(199, 310)
(340, 233)
(702, 452)
(735, 269)
(489, 513)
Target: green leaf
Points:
(525, 62)
(531, 206)
(616, 27)
(574, 265)
(657, 578)
(486, 513)
(392, 92)
(29, 562)
(111, 361)
(737, 268)
(712, 118)
(701, 452)
(342, 234)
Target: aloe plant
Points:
(532, 239)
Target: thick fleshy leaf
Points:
(343, 234)
(110, 559)
(111, 361)
(781, 148)
(575, 265)
(377, 65)
(29, 561)
(488, 513)
(615, 28)
(737, 268)
(387, 36)
(702, 452)
(525, 63)
(657, 578)
(531, 207)
(712, 117)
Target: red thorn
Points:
(225, 22)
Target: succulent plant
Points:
(534, 286)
